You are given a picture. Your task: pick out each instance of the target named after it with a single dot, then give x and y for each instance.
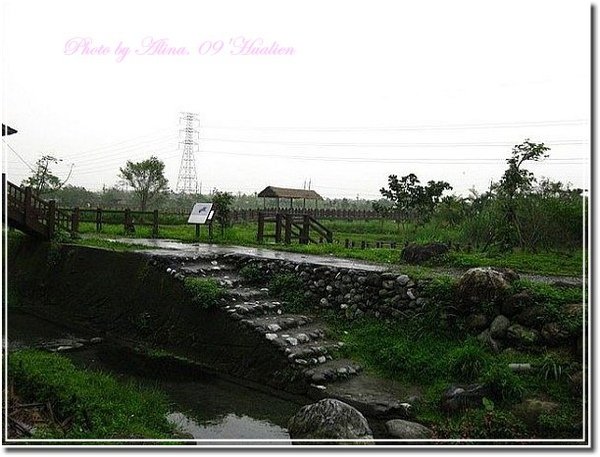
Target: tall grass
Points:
(98, 405)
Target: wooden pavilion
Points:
(286, 193)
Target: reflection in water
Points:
(229, 426)
(209, 409)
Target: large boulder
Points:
(329, 419)
(406, 430)
(419, 253)
(484, 285)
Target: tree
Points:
(147, 179)
(222, 205)
(412, 201)
(515, 182)
(43, 181)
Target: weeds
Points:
(206, 292)
(96, 404)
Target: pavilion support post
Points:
(288, 228)
(278, 227)
(260, 234)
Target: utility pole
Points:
(187, 179)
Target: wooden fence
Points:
(251, 215)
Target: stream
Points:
(205, 409)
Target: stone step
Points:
(315, 353)
(248, 293)
(333, 371)
(253, 308)
(277, 323)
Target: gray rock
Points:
(522, 336)
(485, 338)
(499, 326)
(477, 321)
(388, 284)
(419, 253)
(483, 285)
(516, 303)
(406, 430)
(554, 333)
(458, 398)
(402, 280)
(530, 410)
(273, 328)
(330, 419)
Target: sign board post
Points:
(201, 214)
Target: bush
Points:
(467, 363)
(206, 292)
(503, 383)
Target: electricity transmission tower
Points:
(187, 180)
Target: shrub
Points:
(503, 383)
(206, 292)
(467, 362)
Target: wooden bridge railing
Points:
(32, 214)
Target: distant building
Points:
(285, 193)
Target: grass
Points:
(100, 406)
(206, 292)
(433, 359)
(568, 263)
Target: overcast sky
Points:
(438, 88)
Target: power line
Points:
(19, 156)
(490, 125)
(395, 145)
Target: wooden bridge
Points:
(31, 214)
(291, 226)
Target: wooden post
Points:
(98, 219)
(210, 229)
(198, 231)
(304, 234)
(288, 228)
(362, 244)
(51, 218)
(155, 223)
(278, 227)
(260, 234)
(346, 243)
(75, 220)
